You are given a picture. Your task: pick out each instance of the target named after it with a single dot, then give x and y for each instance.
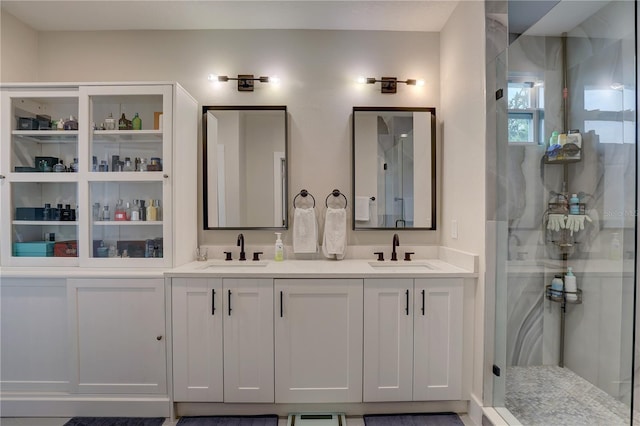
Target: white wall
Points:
(317, 69)
(18, 50)
(463, 158)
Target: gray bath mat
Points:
(422, 419)
(264, 420)
(115, 421)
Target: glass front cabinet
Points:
(86, 175)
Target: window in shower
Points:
(525, 103)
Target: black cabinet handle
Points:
(229, 303)
(407, 308)
(422, 302)
(213, 301)
(281, 313)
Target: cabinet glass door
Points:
(128, 143)
(40, 163)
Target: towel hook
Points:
(335, 193)
(303, 193)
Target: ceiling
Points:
(93, 15)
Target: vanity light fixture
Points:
(245, 81)
(390, 84)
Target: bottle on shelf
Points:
(570, 285)
(127, 210)
(105, 213)
(135, 211)
(136, 122)
(46, 213)
(120, 212)
(152, 211)
(123, 123)
(128, 167)
(113, 252)
(142, 167)
(574, 204)
(57, 213)
(110, 123)
(74, 165)
(96, 211)
(557, 286)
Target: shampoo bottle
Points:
(570, 286)
(574, 204)
(279, 248)
(557, 287)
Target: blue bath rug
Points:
(115, 421)
(263, 420)
(421, 419)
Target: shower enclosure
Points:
(563, 131)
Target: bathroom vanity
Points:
(320, 331)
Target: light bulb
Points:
(420, 82)
(212, 77)
(361, 80)
(275, 79)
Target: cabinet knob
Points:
(165, 176)
(159, 338)
(1, 176)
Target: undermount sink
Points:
(233, 264)
(401, 266)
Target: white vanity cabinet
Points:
(117, 331)
(413, 339)
(34, 335)
(318, 340)
(223, 339)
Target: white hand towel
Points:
(305, 231)
(334, 241)
(362, 208)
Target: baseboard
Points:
(61, 405)
(350, 409)
(475, 410)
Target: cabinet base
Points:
(63, 405)
(349, 409)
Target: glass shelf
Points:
(121, 136)
(46, 136)
(46, 222)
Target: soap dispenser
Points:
(279, 248)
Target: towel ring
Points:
(303, 193)
(335, 193)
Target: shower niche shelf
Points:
(556, 296)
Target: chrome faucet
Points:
(241, 245)
(396, 243)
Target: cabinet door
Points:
(118, 328)
(437, 358)
(388, 339)
(197, 339)
(248, 340)
(34, 160)
(318, 337)
(128, 174)
(34, 346)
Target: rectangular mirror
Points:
(245, 167)
(394, 173)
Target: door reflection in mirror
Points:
(394, 168)
(244, 168)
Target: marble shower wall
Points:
(598, 333)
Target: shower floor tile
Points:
(551, 395)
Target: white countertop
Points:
(360, 268)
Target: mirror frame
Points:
(205, 189)
(431, 110)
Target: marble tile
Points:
(551, 395)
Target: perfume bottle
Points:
(120, 213)
(152, 211)
(136, 122)
(46, 213)
(110, 123)
(57, 212)
(74, 165)
(128, 167)
(96, 211)
(59, 167)
(122, 123)
(105, 213)
(135, 211)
